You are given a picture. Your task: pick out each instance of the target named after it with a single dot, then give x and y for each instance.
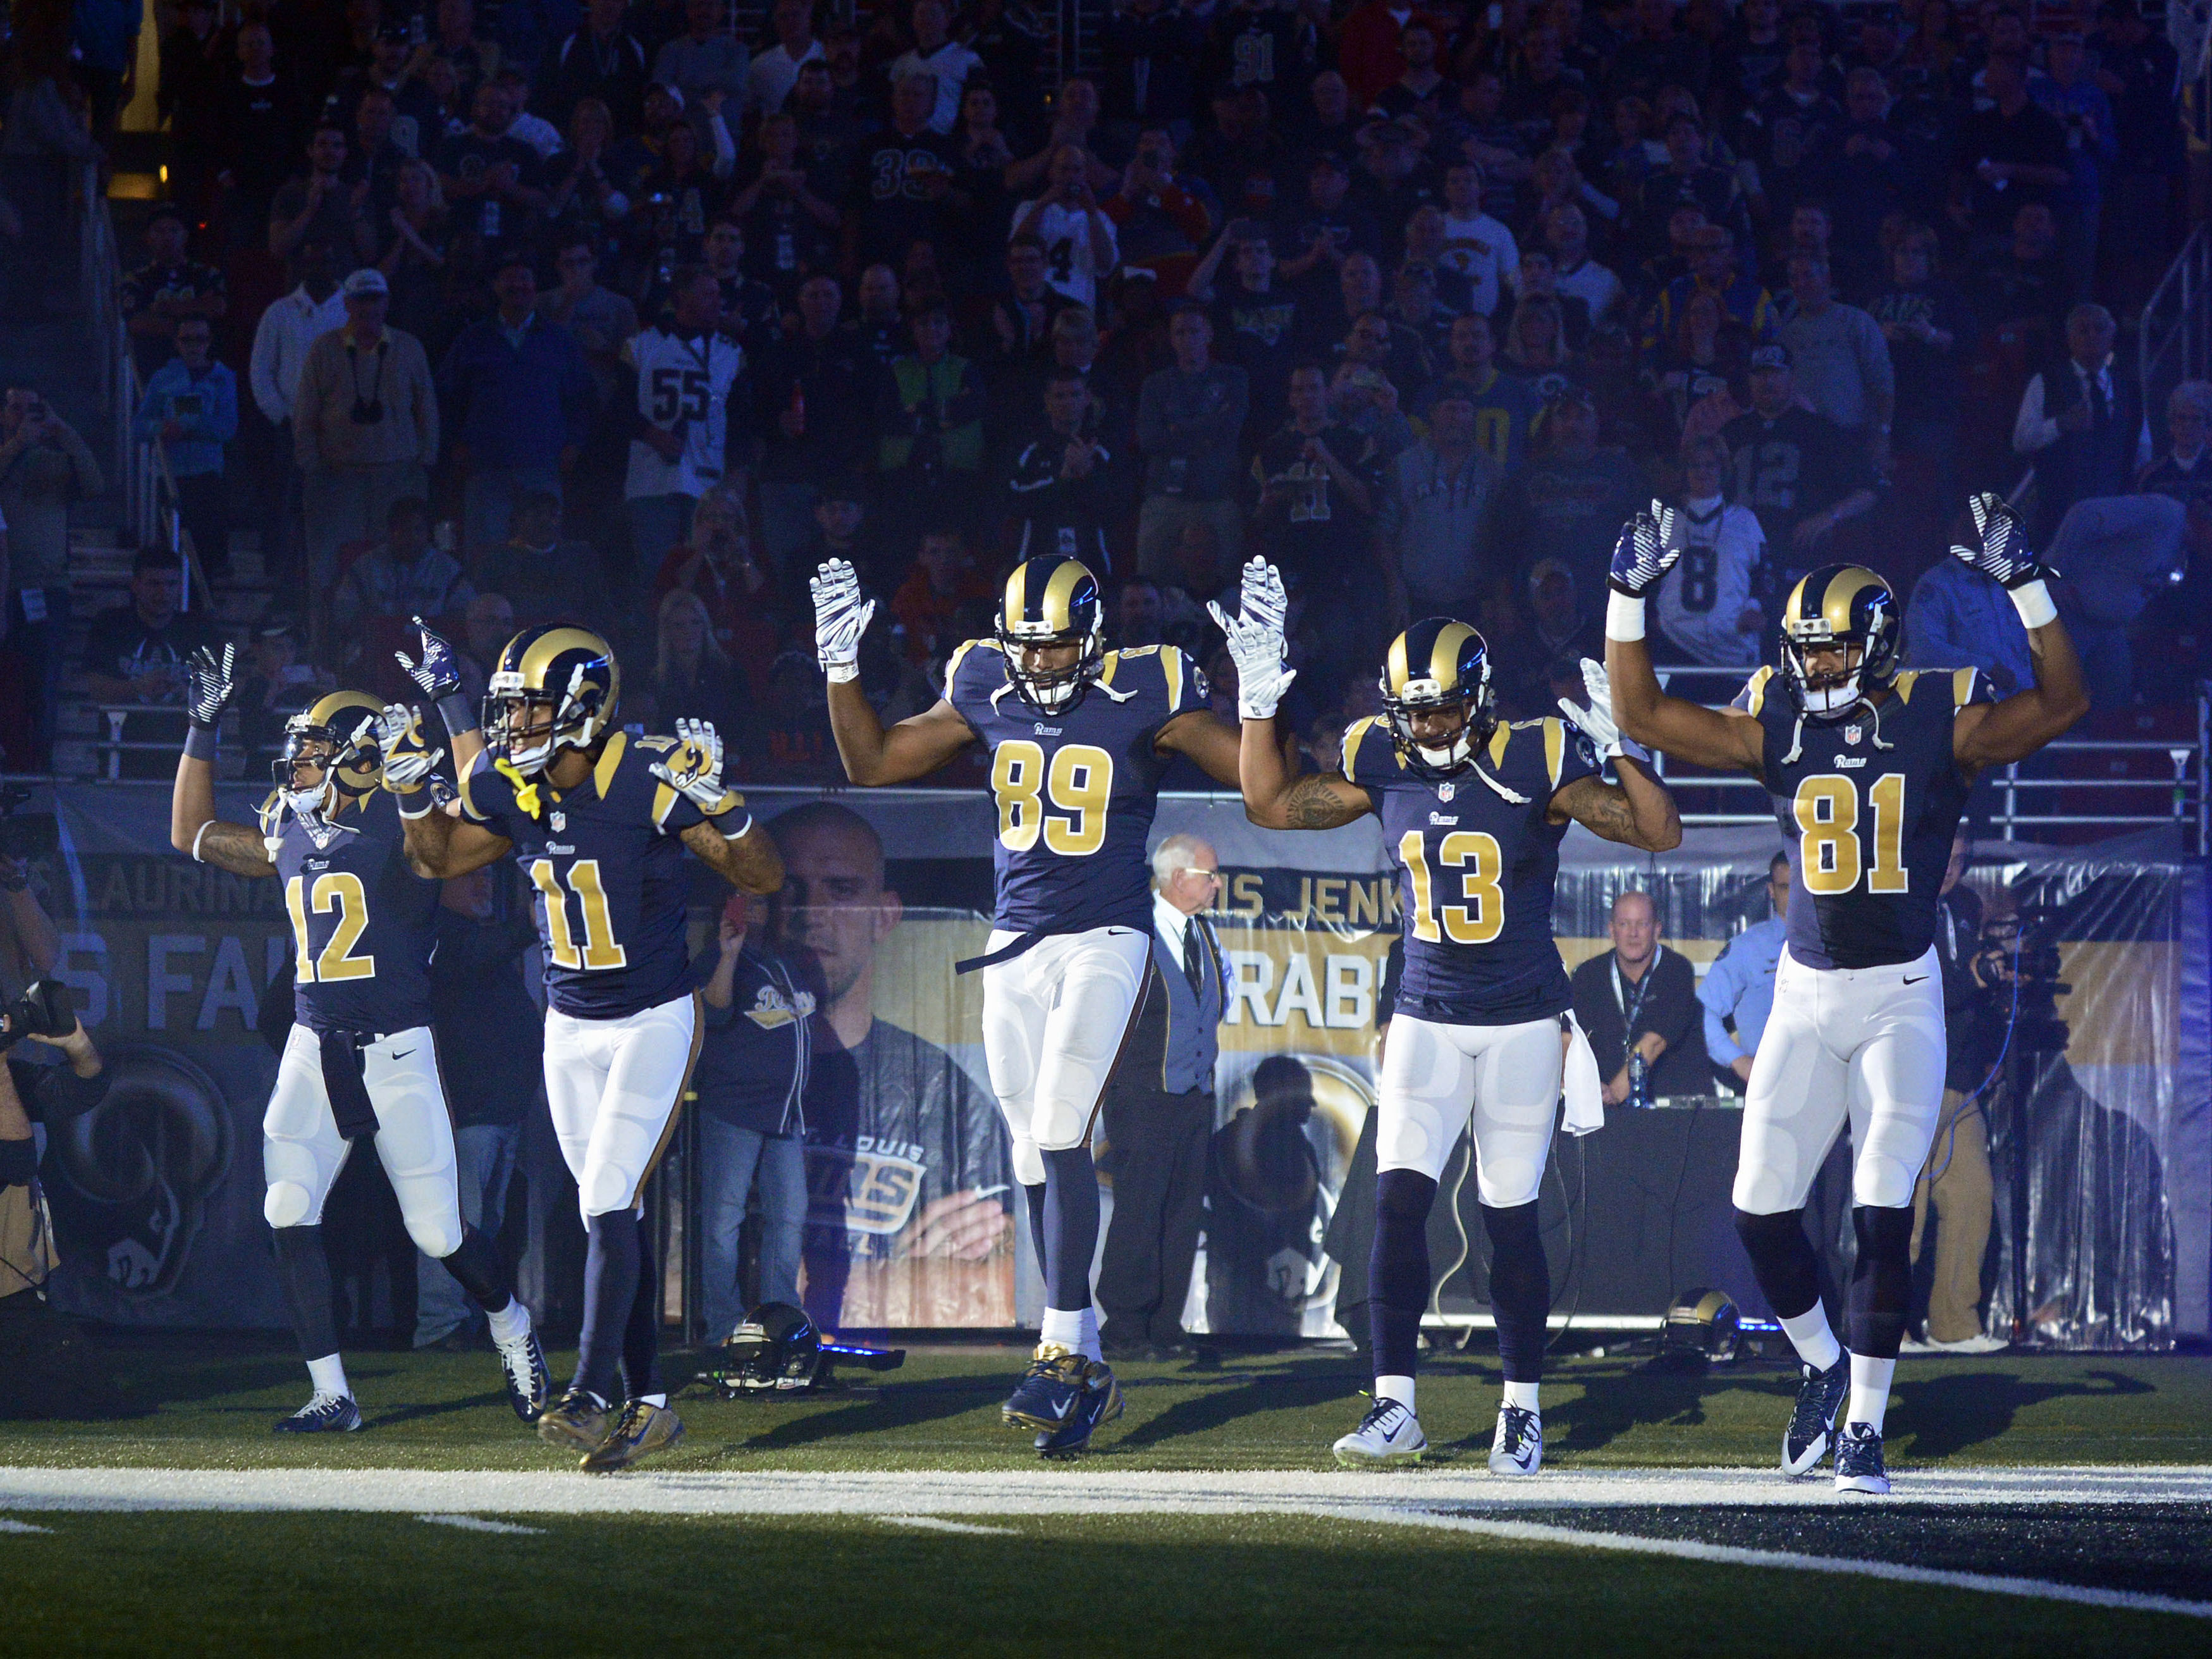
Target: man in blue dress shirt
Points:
(1738, 990)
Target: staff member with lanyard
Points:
(1159, 1114)
(1640, 1000)
(750, 1078)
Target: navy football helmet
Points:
(1438, 663)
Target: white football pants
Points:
(301, 1151)
(1862, 1043)
(613, 1086)
(1436, 1076)
(1055, 1018)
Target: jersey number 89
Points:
(1482, 917)
(1830, 853)
(1078, 783)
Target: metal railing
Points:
(2174, 338)
(2028, 793)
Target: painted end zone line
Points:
(1530, 1532)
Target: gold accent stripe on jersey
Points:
(1350, 758)
(461, 785)
(1555, 747)
(1395, 670)
(603, 772)
(1757, 687)
(1444, 660)
(1106, 667)
(1904, 682)
(1171, 664)
(540, 657)
(952, 664)
(1060, 595)
(1498, 739)
(1962, 686)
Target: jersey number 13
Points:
(1481, 917)
(1831, 855)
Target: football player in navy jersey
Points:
(361, 1060)
(1473, 811)
(1867, 770)
(1079, 737)
(599, 821)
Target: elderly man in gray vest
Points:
(1159, 1114)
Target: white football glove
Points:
(407, 757)
(1596, 722)
(840, 617)
(1260, 597)
(1257, 650)
(694, 767)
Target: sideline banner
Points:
(157, 1195)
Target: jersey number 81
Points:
(1078, 783)
(1830, 853)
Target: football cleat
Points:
(1858, 1460)
(529, 1384)
(577, 1421)
(1388, 1434)
(1046, 1398)
(642, 1431)
(326, 1413)
(1517, 1448)
(1812, 1421)
(1099, 1402)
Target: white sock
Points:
(1523, 1394)
(1400, 1389)
(1870, 1390)
(511, 1323)
(654, 1399)
(1063, 1327)
(1810, 1334)
(1086, 1338)
(328, 1375)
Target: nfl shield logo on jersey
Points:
(1851, 734)
(1446, 790)
(559, 822)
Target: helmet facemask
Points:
(331, 751)
(1051, 691)
(1431, 759)
(527, 727)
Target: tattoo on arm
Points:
(234, 848)
(1313, 803)
(1604, 809)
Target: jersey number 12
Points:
(336, 890)
(1831, 855)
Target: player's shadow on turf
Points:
(1612, 1405)
(399, 1414)
(1947, 1414)
(1219, 1408)
(891, 1407)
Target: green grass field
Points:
(350, 1582)
(434, 1410)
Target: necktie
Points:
(1193, 957)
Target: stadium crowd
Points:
(488, 312)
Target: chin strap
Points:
(1797, 730)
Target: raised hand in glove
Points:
(1644, 553)
(208, 683)
(1255, 645)
(840, 617)
(2004, 555)
(1260, 597)
(408, 757)
(439, 671)
(1596, 722)
(694, 770)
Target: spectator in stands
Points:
(1569, 501)
(263, 116)
(1065, 490)
(1840, 360)
(946, 590)
(1737, 992)
(1640, 1000)
(493, 182)
(134, 656)
(811, 390)
(603, 60)
(929, 422)
(1189, 421)
(275, 681)
(405, 575)
(1068, 220)
(1932, 334)
(542, 572)
(936, 55)
(1434, 527)
(2009, 151)
(417, 235)
(2184, 474)
(320, 205)
(1710, 612)
(1505, 405)
(693, 678)
(716, 560)
(168, 289)
(364, 428)
(709, 61)
(772, 75)
(750, 1082)
(190, 408)
(518, 397)
(43, 467)
(2080, 422)
(490, 1037)
(1797, 471)
(195, 60)
(1566, 232)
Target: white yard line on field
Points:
(478, 1523)
(936, 1523)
